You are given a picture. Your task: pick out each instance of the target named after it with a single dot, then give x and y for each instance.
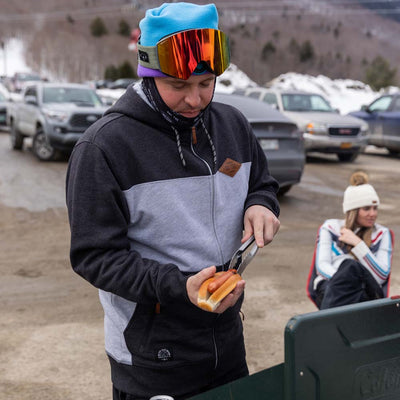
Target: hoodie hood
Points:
(132, 105)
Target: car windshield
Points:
(305, 102)
(85, 97)
(28, 77)
(382, 104)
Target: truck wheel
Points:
(41, 148)
(17, 140)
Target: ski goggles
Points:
(178, 55)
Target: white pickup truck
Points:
(54, 115)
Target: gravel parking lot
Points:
(51, 332)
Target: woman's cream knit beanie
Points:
(360, 193)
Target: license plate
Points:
(269, 144)
(345, 145)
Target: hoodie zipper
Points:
(194, 141)
(212, 176)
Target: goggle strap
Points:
(148, 56)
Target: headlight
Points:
(56, 116)
(314, 127)
(364, 129)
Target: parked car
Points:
(279, 137)
(383, 118)
(19, 80)
(324, 129)
(3, 110)
(121, 83)
(54, 115)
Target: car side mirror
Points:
(365, 108)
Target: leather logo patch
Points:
(230, 167)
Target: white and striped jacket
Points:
(329, 255)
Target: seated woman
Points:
(353, 256)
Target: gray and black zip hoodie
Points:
(142, 222)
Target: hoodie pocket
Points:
(171, 336)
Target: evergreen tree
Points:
(111, 73)
(126, 70)
(267, 50)
(123, 28)
(379, 74)
(306, 51)
(98, 27)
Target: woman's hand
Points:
(194, 282)
(349, 237)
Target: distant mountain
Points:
(388, 9)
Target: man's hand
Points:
(349, 237)
(262, 223)
(194, 282)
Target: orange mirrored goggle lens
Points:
(179, 54)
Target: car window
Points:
(382, 104)
(2, 97)
(70, 95)
(254, 95)
(28, 77)
(396, 104)
(31, 91)
(270, 98)
(305, 102)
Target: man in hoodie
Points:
(160, 193)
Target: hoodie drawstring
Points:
(211, 142)
(178, 144)
(175, 120)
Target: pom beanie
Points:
(170, 18)
(359, 193)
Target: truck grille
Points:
(343, 131)
(83, 120)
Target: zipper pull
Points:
(194, 136)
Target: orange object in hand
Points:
(218, 281)
(221, 284)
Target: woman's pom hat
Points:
(360, 193)
(171, 18)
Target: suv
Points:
(324, 129)
(55, 115)
(383, 118)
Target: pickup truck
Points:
(54, 115)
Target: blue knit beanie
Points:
(170, 18)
